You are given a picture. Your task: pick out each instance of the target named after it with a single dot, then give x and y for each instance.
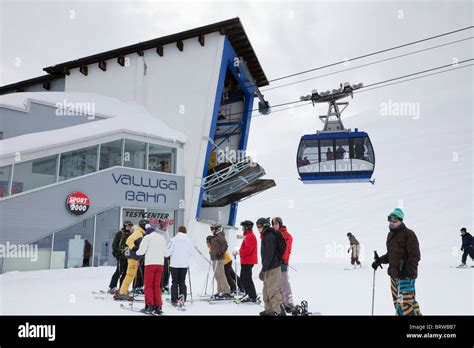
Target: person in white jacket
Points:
(180, 251)
(153, 246)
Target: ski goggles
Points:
(393, 218)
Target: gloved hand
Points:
(376, 264)
(462, 249)
(115, 254)
(348, 250)
(235, 252)
(260, 276)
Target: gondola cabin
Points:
(335, 157)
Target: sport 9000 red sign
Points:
(77, 203)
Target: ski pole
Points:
(293, 268)
(376, 257)
(235, 272)
(190, 286)
(207, 281)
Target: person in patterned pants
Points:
(403, 296)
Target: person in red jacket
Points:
(285, 286)
(248, 258)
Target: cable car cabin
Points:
(335, 157)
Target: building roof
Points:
(117, 116)
(19, 86)
(232, 28)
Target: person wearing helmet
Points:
(219, 246)
(285, 286)
(162, 229)
(355, 247)
(118, 251)
(271, 269)
(248, 258)
(132, 242)
(403, 255)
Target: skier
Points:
(218, 248)
(355, 247)
(180, 251)
(271, 269)
(285, 286)
(467, 246)
(403, 255)
(118, 249)
(230, 275)
(162, 229)
(133, 259)
(248, 258)
(153, 246)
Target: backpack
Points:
(280, 245)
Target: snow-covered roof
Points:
(119, 117)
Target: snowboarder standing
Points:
(153, 246)
(133, 259)
(180, 251)
(285, 286)
(248, 258)
(355, 247)
(467, 246)
(118, 251)
(403, 255)
(271, 269)
(219, 246)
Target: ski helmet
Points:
(162, 224)
(263, 222)
(127, 223)
(277, 219)
(208, 239)
(142, 223)
(247, 224)
(216, 228)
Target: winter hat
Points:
(182, 229)
(277, 219)
(398, 213)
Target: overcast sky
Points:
(287, 37)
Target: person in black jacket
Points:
(467, 246)
(271, 269)
(118, 251)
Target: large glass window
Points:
(135, 154)
(327, 155)
(5, 173)
(110, 154)
(73, 246)
(161, 158)
(32, 174)
(78, 162)
(343, 162)
(107, 225)
(31, 257)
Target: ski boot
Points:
(148, 309)
(267, 314)
(157, 310)
(289, 309)
(112, 291)
(123, 297)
